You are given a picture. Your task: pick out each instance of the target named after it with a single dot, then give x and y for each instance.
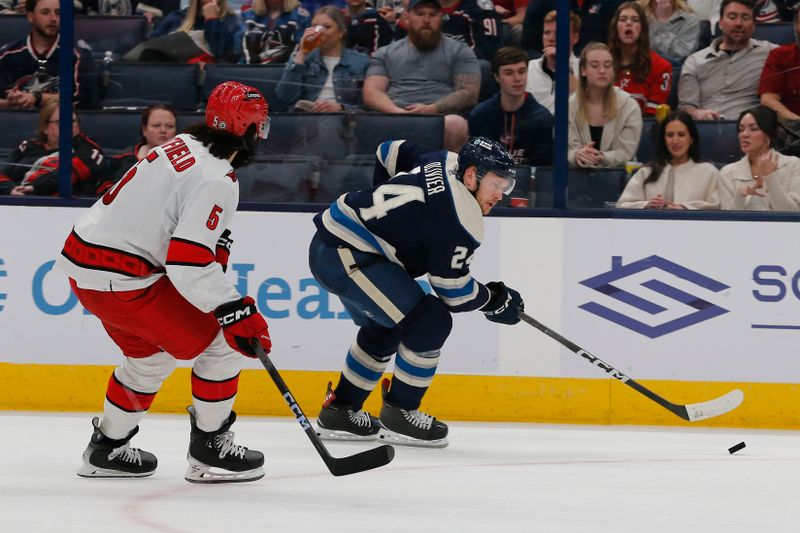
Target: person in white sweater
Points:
(764, 179)
(605, 122)
(675, 179)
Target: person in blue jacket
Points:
(328, 78)
(370, 245)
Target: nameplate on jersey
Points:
(434, 177)
(179, 154)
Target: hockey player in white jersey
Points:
(148, 259)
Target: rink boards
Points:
(689, 308)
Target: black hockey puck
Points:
(735, 448)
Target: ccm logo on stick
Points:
(298, 414)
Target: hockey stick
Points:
(691, 412)
(338, 466)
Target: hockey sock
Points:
(365, 364)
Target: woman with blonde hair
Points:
(272, 29)
(674, 28)
(32, 169)
(323, 76)
(213, 26)
(605, 122)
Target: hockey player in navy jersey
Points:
(148, 260)
(425, 216)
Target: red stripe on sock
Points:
(214, 391)
(126, 398)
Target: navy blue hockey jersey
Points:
(424, 220)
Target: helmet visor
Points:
(263, 128)
(501, 182)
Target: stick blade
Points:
(716, 407)
(360, 462)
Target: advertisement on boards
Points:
(667, 299)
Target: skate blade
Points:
(392, 437)
(342, 436)
(86, 470)
(200, 473)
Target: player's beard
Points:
(425, 41)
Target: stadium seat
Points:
(18, 125)
(778, 33)
(116, 34)
(672, 99)
(144, 84)
(316, 134)
(705, 35)
(13, 28)
(585, 188)
(263, 78)
(375, 128)
(276, 180)
(339, 177)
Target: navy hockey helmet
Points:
(487, 156)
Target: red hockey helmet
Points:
(232, 107)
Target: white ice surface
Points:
(492, 478)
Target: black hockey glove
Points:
(223, 250)
(504, 304)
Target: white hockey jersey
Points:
(163, 217)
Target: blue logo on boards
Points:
(3, 295)
(603, 283)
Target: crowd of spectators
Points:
(487, 67)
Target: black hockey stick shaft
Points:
(679, 410)
(342, 466)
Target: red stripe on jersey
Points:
(214, 391)
(188, 253)
(80, 169)
(97, 257)
(126, 398)
(152, 156)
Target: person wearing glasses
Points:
(32, 168)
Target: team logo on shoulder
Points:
(486, 5)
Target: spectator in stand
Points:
(12, 7)
(159, 125)
(512, 116)
(426, 72)
(323, 76)
(676, 178)
(474, 23)
(212, 25)
(542, 71)
(605, 122)
(512, 13)
(34, 165)
(642, 73)
(272, 29)
(780, 87)
(764, 179)
(29, 66)
(367, 30)
(722, 80)
(595, 16)
(674, 29)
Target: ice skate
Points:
(341, 422)
(410, 427)
(214, 458)
(105, 457)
